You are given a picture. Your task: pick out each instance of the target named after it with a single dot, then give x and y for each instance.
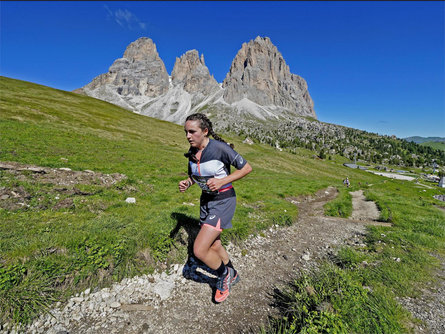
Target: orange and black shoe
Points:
(223, 286)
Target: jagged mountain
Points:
(136, 78)
(259, 85)
(260, 74)
(191, 72)
(259, 98)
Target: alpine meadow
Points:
(69, 162)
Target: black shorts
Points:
(218, 214)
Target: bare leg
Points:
(202, 248)
(219, 248)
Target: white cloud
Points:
(125, 19)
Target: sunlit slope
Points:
(100, 237)
(45, 126)
(436, 145)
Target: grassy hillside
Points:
(420, 140)
(435, 145)
(67, 237)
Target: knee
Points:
(216, 246)
(199, 251)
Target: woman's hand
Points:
(215, 184)
(184, 185)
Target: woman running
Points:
(209, 167)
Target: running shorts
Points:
(219, 213)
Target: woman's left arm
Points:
(216, 184)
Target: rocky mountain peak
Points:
(140, 72)
(191, 72)
(259, 85)
(142, 49)
(260, 74)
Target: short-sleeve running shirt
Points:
(215, 162)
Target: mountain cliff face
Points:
(191, 72)
(260, 74)
(259, 85)
(139, 73)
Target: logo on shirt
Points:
(241, 160)
(212, 217)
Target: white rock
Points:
(179, 270)
(248, 141)
(306, 257)
(130, 200)
(163, 289)
(115, 305)
(105, 295)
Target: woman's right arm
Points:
(185, 184)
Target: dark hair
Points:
(204, 123)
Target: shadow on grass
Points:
(194, 269)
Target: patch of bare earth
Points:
(429, 306)
(63, 182)
(363, 209)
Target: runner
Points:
(209, 167)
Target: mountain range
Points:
(258, 85)
(420, 140)
(259, 98)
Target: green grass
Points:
(334, 300)
(341, 206)
(360, 284)
(435, 145)
(48, 252)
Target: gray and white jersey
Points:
(215, 162)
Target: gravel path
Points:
(182, 301)
(429, 307)
(363, 209)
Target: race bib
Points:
(201, 181)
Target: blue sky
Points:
(375, 66)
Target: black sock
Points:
(230, 265)
(221, 270)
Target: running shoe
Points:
(223, 286)
(235, 279)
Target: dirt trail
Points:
(266, 262)
(362, 209)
